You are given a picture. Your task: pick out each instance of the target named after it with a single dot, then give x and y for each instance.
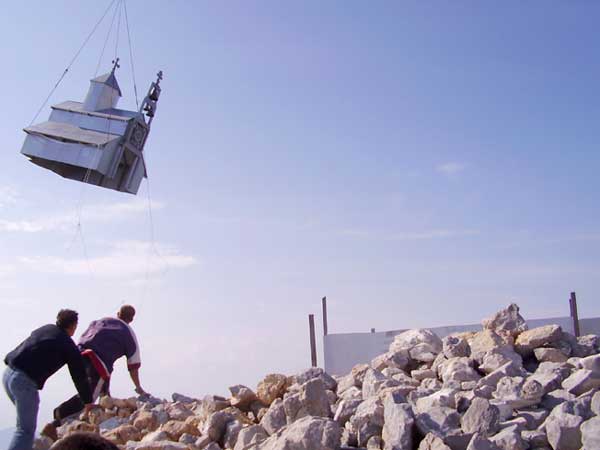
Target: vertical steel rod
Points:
(574, 315)
(325, 329)
(313, 341)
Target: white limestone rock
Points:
(549, 354)
(509, 439)
(564, 431)
(432, 442)
(455, 346)
(507, 321)
(581, 381)
(537, 337)
(441, 421)
(397, 433)
(411, 338)
(481, 418)
(308, 433)
(590, 433)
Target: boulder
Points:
(275, 418)
(316, 372)
(432, 442)
(146, 421)
(509, 439)
(273, 386)
(549, 354)
(533, 417)
(455, 347)
(241, 396)
(211, 404)
(590, 433)
(591, 363)
(368, 420)
(372, 383)
(308, 433)
(398, 427)
(479, 442)
(459, 370)
(158, 445)
(345, 410)
(582, 381)
(123, 434)
(499, 356)
(484, 342)
(232, 431)
(595, 403)
(250, 438)
(536, 439)
(182, 398)
(411, 338)
(481, 418)
(175, 428)
(313, 399)
(216, 424)
(537, 337)
(441, 421)
(564, 431)
(507, 322)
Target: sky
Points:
(418, 163)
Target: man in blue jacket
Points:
(36, 359)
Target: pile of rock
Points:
(503, 388)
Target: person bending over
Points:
(104, 341)
(36, 359)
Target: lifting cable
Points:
(137, 103)
(72, 62)
(112, 22)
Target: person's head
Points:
(126, 313)
(83, 440)
(67, 320)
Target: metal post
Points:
(574, 316)
(313, 343)
(324, 301)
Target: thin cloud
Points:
(451, 168)
(126, 259)
(6, 270)
(411, 236)
(8, 196)
(67, 220)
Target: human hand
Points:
(140, 391)
(88, 407)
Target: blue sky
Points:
(419, 164)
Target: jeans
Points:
(23, 392)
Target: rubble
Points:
(504, 387)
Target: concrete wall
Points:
(343, 351)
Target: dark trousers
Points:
(74, 405)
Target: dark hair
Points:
(66, 318)
(126, 313)
(83, 440)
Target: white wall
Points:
(343, 351)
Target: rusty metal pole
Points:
(313, 341)
(325, 328)
(574, 316)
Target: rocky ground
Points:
(503, 388)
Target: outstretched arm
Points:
(134, 373)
